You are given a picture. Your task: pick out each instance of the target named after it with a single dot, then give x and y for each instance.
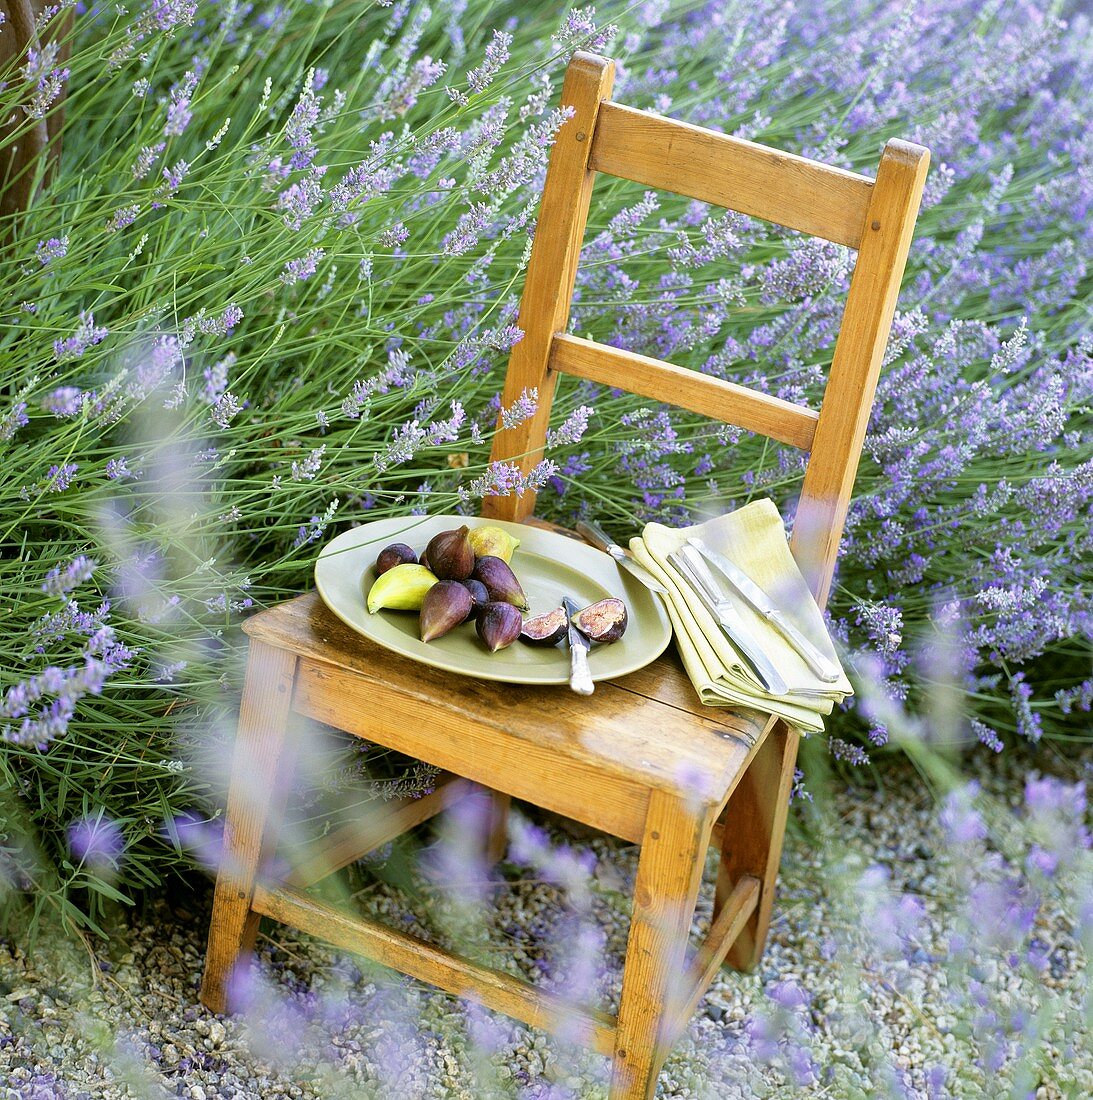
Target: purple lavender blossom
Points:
(298, 129)
(59, 477)
(63, 402)
(226, 407)
(298, 271)
(117, 469)
(96, 840)
(56, 248)
(87, 334)
(571, 430)
(61, 580)
(14, 419)
(178, 108)
(497, 53)
(123, 217)
(522, 409)
(48, 80)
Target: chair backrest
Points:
(876, 217)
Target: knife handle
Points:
(594, 533)
(580, 675)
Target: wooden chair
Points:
(619, 760)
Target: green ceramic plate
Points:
(548, 566)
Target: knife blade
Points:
(598, 537)
(753, 595)
(580, 675)
(693, 570)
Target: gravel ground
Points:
(870, 1021)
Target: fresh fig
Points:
(400, 589)
(450, 555)
(446, 605)
(478, 593)
(494, 542)
(548, 629)
(602, 622)
(398, 553)
(500, 581)
(498, 625)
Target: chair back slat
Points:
(855, 366)
(686, 389)
(552, 270)
(728, 171)
(876, 217)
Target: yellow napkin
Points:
(753, 538)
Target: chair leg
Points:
(669, 875)
(497, 835)
(755, 829)
(255, 801)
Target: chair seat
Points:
(593, 758)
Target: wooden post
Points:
(654, 982)
(254, 804)
(552, 269)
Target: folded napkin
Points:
(754, 539)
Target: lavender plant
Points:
(272, 288)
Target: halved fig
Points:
(602, 622)
(548, 629)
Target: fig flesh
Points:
(500, 581)
(446, 605)
(398, 553)
(400, 589)
(450, 554)
(478, 594)
(498, 625)
(548, 629)
(602, 622)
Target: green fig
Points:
(500, 581)
(400, 589)
(398, 553)
(446, 605)
(450, 555)
(498, 625)
(493, 542)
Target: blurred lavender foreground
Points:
(919, 950)
(269, 294)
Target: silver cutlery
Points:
(580, 675)
(695, 572)
(752, 594)
(598, 537)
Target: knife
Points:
(593, 533)
(580, 675)
(694, 571)
(757, 598)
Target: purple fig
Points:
(450, 554)
(548, 629)
(498, 625)
(500, 581)
(398, 553)
(478, 593)
(446, 605)
(602, 622)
